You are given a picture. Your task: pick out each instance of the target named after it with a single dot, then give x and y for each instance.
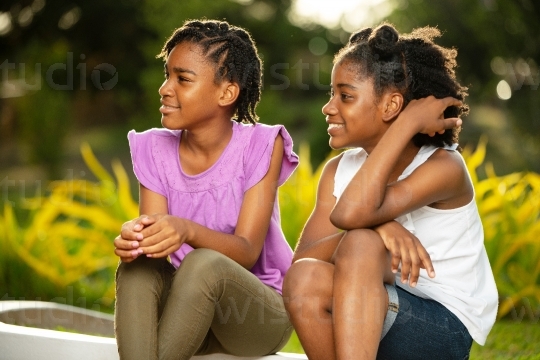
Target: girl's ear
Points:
(392, 105)
(229, 93)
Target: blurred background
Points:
(77, 75)
(80, 70)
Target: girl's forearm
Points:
(361, 201)
(240, 249)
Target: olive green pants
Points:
(209, 304)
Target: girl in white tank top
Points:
(391, 263)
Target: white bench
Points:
(27, 331)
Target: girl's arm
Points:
(163, 234)
(320, 237)
(369, 200)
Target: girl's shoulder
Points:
(148, 134)
(351, 160)
(259, 142)
(346, 167)
(152, 139)
(433, 156)
(259, 137)
(258, 131)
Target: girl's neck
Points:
(208, 139)
(201, 148)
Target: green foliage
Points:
(68, 239)
(510, 210)
(510, 340)
(44, 122)
(297, 197)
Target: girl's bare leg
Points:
(362, 265)
(307, 292)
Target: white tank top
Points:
(454, 239)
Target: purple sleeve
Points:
(260, 154)
(144, 161)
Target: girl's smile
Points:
(333, 128)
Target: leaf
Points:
(93, 163)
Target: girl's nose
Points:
(164, 89)
(329, 108)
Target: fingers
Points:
(451, 101)
(405, 248)
(450, 123)
(419, 258)
(396, 259)
(405, 262)
(126, 249)
(415, 268)
(160, 239)
(127, 246)
(131, 229)
(412, 256)
(425, 260)
(158, 246)
(147, 220)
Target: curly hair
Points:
(411, 64)
(233, 52)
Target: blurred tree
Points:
(104, 61)
(498, 44)
(81, 59)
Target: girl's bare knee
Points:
(360, 244)
(299, 277)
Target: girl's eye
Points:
(345, 97)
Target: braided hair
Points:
(411, 64)
(233, 52)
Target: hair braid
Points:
(234, 54)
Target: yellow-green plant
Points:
(71, 230)
(510, 210)
(297, 196)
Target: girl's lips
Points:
(334, 128)
(167, 109)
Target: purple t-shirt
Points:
(214, 197)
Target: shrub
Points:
(509, 206)
(69, 234)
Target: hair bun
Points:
(383, 40)
(360, 36)
(223, 27)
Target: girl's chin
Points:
(336, 144)
(167, 123)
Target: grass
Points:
(510, 340)
(516, 340)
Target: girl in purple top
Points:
(208, 201)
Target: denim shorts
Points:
(421, 329)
